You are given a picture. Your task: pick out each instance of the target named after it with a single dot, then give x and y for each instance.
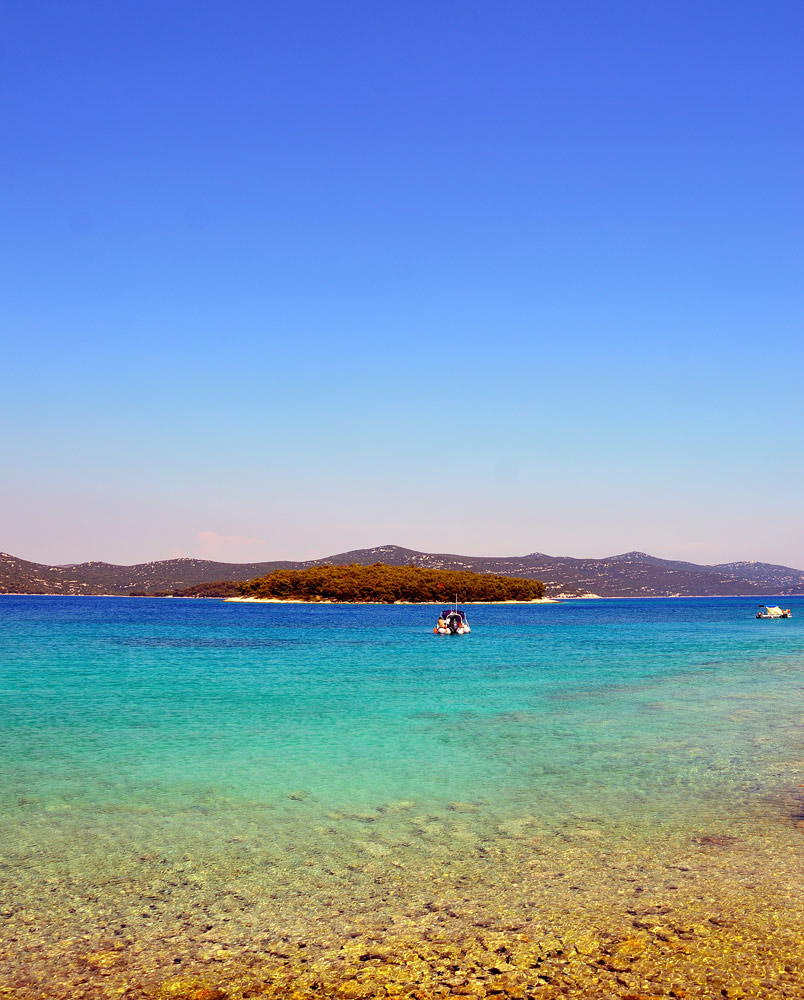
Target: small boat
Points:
(772, 611)
(452, 622)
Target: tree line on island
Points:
(374, 584)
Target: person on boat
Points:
(441, 622)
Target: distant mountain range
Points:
(633, 574)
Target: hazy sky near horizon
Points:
(279, 280)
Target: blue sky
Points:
(283, 279)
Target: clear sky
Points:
(282, 279)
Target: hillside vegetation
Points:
(216, 588)
(383, 584)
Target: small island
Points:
(383, 584)
(374, 584)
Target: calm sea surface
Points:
(185, 779)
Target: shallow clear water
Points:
(108, 703)
(275, 744)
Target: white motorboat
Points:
(452, 622)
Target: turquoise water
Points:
(107, 703)
(298, 756)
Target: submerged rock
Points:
(187, 988)
(715, 840)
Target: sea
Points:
(208, 800)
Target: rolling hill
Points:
(632, 574)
